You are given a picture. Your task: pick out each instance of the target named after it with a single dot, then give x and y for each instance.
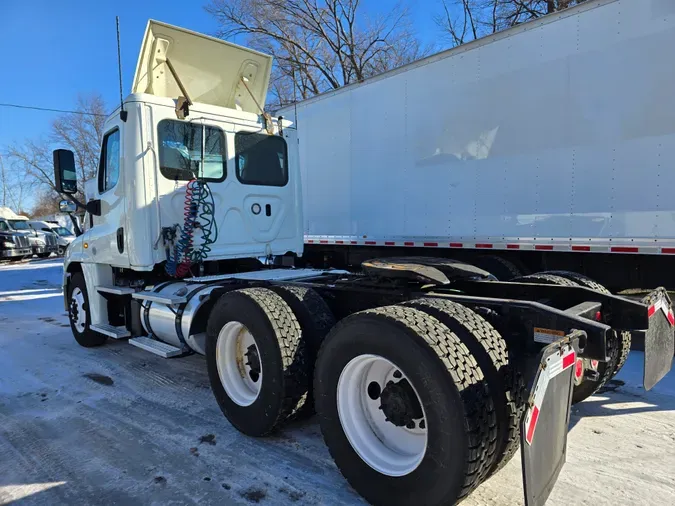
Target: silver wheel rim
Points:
(236, 350)
(387, 448)
(77, 313)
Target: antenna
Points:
(123, 113)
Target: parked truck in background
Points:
(426, 373)
(41, 243)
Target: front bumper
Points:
(15, 252)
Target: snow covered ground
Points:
(117, 425)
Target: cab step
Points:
(171, 300)
(115, 290)
(110, 330)
(157, 347)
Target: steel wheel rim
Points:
(78, 315)
(235, 368)
(387, 448)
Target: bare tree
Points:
(318, 45)
(16, 185)
(467, 20)
(82, 133)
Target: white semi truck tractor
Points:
(426, 373)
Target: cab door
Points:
(105, 240)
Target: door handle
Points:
(120, 240)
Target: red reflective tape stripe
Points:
(354, 242)
(408, 243)
(484, 245)
(323, 242)
(581, 248)
(339, 242)
(310, 241)
(568, 360)
(545, 247)
(513, 246)
(533, 424)
(456, 245)
(370, 243)
(652, 310)
(389, 243)
(671, 318)
(624, 249)
(668, 251)
(431, 244)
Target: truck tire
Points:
(404, 408)
(78, 313)
(624, 337)
(583, 388)
(505, 381)
(256, 360)
(315, 319)
(499, 267)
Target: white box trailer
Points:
(556, 135)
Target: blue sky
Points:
(53, 50)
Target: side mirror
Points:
(66, 206)
(65, 176)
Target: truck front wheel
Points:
(79, 315)
(404, 408)
(256, 360)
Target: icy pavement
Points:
(116, 425)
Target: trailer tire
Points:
(545, 279)
(451, 393)
(278, 360)
(623, 337)
(499, 267)
(78, 305)
(585, 388)
(490, 349)
(315, 319)
(580, 279)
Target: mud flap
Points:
(659, 337)
(544, 427)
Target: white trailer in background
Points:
(554, 136)
(427, 374)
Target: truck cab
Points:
(191, 135)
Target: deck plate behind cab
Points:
(424, 269)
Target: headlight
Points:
(7, 244)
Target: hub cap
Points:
(78, 314)
(381, 415)
(238, 362)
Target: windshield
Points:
(62, 231)
(19, 224)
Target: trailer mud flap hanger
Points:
(546, 420)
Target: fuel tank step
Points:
(111, 331)
(157, 347)
(169, 300)
(115, 290)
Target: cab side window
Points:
(109, 166)
(4, 227)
